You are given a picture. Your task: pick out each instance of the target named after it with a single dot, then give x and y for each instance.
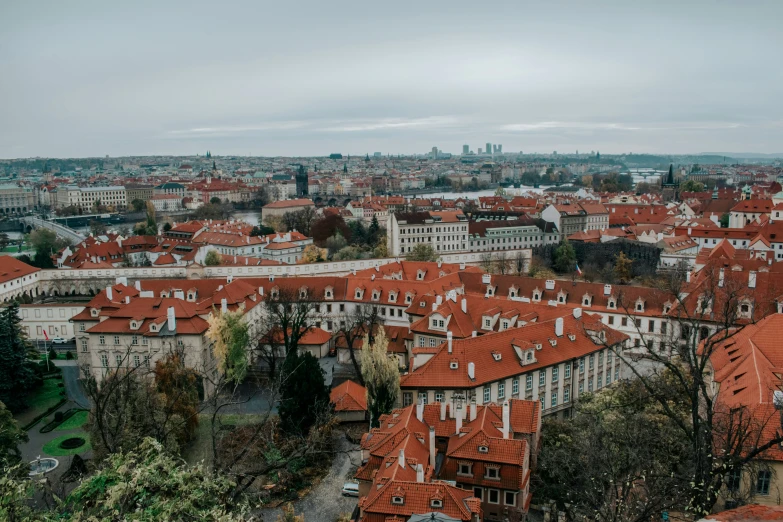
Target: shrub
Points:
(69, 355)
(58, 416)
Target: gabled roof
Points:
(349, 396)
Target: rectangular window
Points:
(624, 321)
(515, 387)
(492, 473)
(116, 339)
(555, 374)
(439, 397)
(529, 382)
(118, 358)
(600, 380)
(104, 360)
(84, 345)
(591, 361)
(590, 385)
(542, 377)
(651, 326)
(464, 469)
(478, 493)
(581, 387)
(487, 393)
(135, 340)
(494, 496)
(136, 361)
(663, 327)
(568, 371)
(102, 339)
(616, 373)
(81, 327)
(762, 484)
(407, 399)
(501, 390)
(423, 397)
(567, 395)
(147, 361)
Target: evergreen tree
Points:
(565, 258)
(17, 371)
(372, 233)
(304, 396)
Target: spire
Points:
(214, 166)
(670, 177)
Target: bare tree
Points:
(519, 264)
(354, 327)
(502, 263)
(288, 315)
(701, 316)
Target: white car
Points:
(59, 340)
(350, 489)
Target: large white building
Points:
(85, 197)
(446, 232)
(47, 321)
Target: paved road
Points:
(325, 502)
(73, 385)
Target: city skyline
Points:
(279, 80)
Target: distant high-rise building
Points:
(489, 148)
(500, 148)
(465, 150)
(480, 150)
(434, 152)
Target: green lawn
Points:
(76, 420)
(53, 446)
(46, 396)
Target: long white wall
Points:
(315, 269)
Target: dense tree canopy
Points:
(17, 371)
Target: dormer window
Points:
(358, 294)
(640, 306)
(420, 275)
(504, 325)
(436, 503)
(303, 293)
(454, 364)
(398, 500)
(376, 295)
(487, 323)
(483, 449)
(94, 312)
(392, 297)
(497, 356)
(611, 304)
(408, 298)
(536, 296)
(490, 291)
(422, 304)
(153, 327)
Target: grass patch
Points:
(46, 395)
(76, 420)
(53, 448)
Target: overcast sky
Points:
(89, 78)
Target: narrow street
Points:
(325, 503)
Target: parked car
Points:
(351, 489)
(59, 340)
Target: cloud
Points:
(237, 129)
(588, 126)
(431, 122)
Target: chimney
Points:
(443, 410)
(420, 410)
(433, 451)
(172, 320)
(464, 305)
(559, 327)
(224, 305)
(108, 293)
(449, 336)
(577, 313)
(229, 279)
(471, 371)
(473, 409)
(401, 458)
(434, 306)
(261, 290)
(440, 263)
(419, 473)
(688, 276)
(752, 279)
(438, 299)
(127, 299)
(474, 333)
(721, 276)
(506, 419)
(137, 284)
(372, 278)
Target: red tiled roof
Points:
(349, 396)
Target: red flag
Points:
(47, 337)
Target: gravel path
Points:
(325, 502)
